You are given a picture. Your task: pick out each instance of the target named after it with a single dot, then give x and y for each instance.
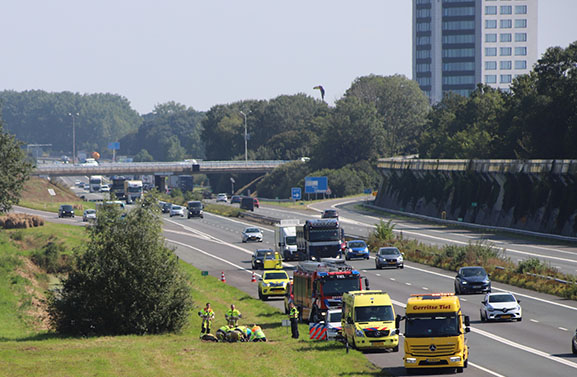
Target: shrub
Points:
(126, 282)
(51, 258)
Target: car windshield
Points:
(475, 271)
(334, 316)
(357, 244)
(374, 313)
(269, 256)
(177, 208)
(324, 235)
(90, 211)
(195, 205)
(291, 240)
(434, 325)
(67, 208)
(336, 287)
(275, 275)
(501, 298)
(389, 251)
(252, 230)
(261, 253)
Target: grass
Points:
(25, 351)
(36, 196)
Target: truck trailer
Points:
(285, 239)
(320, 238)
(132, 190)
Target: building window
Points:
(423, 67)
(423, 26)
(461, 11)
(506, 24)
(458, 66)
(490, 24)
(520, 9)
(424, 40)
(459, 25)
(458, 53)
(490, 79)
(423, 1)
(520, 51)
(491, 37)
(505, 79)
(520, 64)
(490, 51)
(490, 65)
(505, 51)
(423, 12)
(520, 37)
(424, 81)
(506, 9)
(521, 23)
(423, 54)
(458, 38)
(491, 9)
(505, 64)
(458, 80)
(505, 37)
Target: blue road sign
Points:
(314, 185)
(296, 193)
(114, 146)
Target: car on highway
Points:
(574, 343)
(273, 283)
(333, 323)
(77, 183)
(251, 234)
(257, 259)
(472, 279)
(166, 207)
(221, 197)
(105, 188)
(66, 210)
(235, 199)
(330, 214)
(389, 257)
(356, 249)
(194, 208)
(176, 211)
(89, 215)
(500, 306)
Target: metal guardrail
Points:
(168, 168)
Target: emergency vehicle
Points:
(435, 331)
(368, 321)
(319, 286)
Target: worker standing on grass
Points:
(207, 315)
(232, 316)
(294, 318)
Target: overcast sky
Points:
(209, 52)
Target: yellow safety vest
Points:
(294, 312)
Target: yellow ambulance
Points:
(434, 333)
(368, 321)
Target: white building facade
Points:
(460, 43)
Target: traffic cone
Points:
(253, 279)
(222, 278)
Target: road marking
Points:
(378, 275)
(485, 370)
(562, 328)
(408, 284)
(462, 299)
(393, 279)
(499, 289)
(425, 288)
(534, 320)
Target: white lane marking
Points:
(462, 299)
(378, 275)
(534, 320)
(237, 221)
(485, 370)
(499, 289)
(425, 288)
(393, 279)
(562, 328)
(408, 284)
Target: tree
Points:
(126, 281)
(14, 170)
(143, 156)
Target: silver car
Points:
(252, 234)
(333, 324)
(89, 215)
(389, 257)
(177, 211)
(500, 306)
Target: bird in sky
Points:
(320, 87)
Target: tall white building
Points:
(460, 43)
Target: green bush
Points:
(126, 282)
(50, 258)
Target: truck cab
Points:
(368, 321)
(435, 331)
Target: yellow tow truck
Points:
(435, 331)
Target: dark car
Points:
(194, 208)
(389, 257)
(235, 199)
(257, 260)
(166, 207)
(330, 214)
(574, 343)
(246, 202)
(473, 279)
(66, 210)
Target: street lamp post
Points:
(245, 138)
(73, 137)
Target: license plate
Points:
(392, 262)
(434, 360)
(379, 344)
(506, 316)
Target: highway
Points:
(537, 346)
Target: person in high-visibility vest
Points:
(257, 334)
(207, 315)
(232, 316)
(222, 333)
(294, 318)
(246, 333)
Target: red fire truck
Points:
(319, 286)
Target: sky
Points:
(211, 52)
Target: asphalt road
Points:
(537, 346)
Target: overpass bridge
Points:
(158, 168)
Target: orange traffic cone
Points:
(222, 278)
(253, 280)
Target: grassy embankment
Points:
(36, 196)
(28, 349)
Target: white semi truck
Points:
(285, 239)
(132, 190)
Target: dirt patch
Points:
(36, 190)
(36, 311)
